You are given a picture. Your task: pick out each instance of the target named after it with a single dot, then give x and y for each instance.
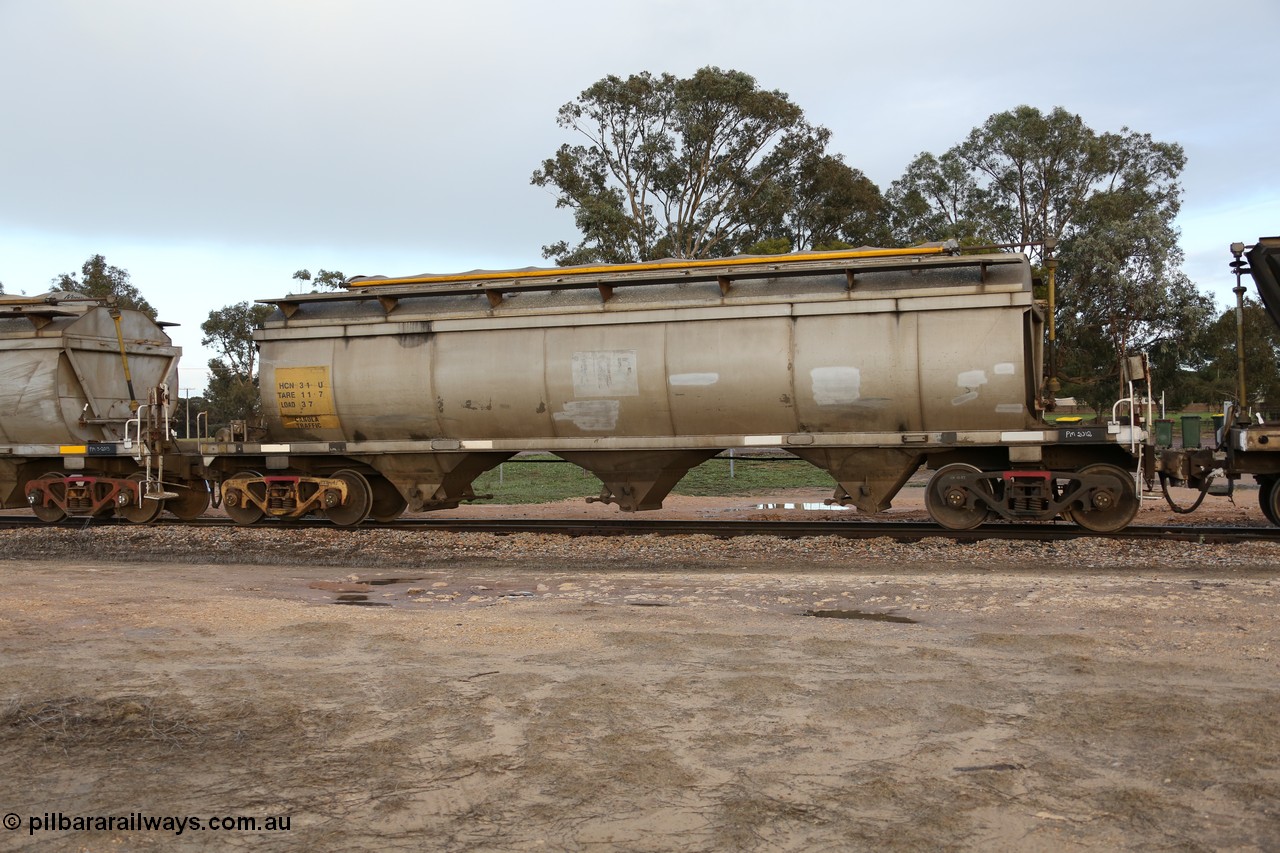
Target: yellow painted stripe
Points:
(73, 449)
(712, 263)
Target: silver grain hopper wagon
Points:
(73, 374)
(869, 364)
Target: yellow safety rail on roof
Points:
(712, 263)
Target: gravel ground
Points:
(397, 690)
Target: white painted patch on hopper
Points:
(694, 378)
(971, 379)
(1005, 368)
(591, 415)
(966, 397)
(1009, 408)
(1022, 436)
(834, 386)
(605, 373)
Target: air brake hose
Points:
(1164, 487)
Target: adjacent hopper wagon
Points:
(71, 371)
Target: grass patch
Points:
(752, 476)
(544, 478)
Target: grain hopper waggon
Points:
(397, 392)
(73, 423)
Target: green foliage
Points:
(230, 396)
(230, 331)
(822, 203)
(772, 246)
(1122, 291)
(108, 283)
(698, 167)
(331, 279)
(539, 479)
(1109, 201)
(1024, 176)
(232, 392)
(1045, 176)
(937, 199)
(1217, 379)
(832, 246)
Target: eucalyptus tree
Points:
(1024, 179)
(331, 279)
(938, 198)
(1024, 176)
(822, 203)
(233, 376)
(1216, 380)
(1123, 291)
(697, 167)
(100, 280)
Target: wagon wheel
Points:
(1267, 499)
(948, 498)
(1112, 508)
(49, 514)
(359, 499)
(149, 509)
(238, 507)
(190, 503)
(388, 503)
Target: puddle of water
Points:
(859, 614)
(648, 604)
(388, 581)
(812, 507)
(356, 599)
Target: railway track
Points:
(901, 531)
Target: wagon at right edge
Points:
(1247, 443)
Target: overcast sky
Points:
(213, 148)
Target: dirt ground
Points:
(666, 697)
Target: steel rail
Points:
(901, 531)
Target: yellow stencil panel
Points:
(305, 398)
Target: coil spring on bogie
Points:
(1030, 505)
(281, 498)
(1027, 497)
